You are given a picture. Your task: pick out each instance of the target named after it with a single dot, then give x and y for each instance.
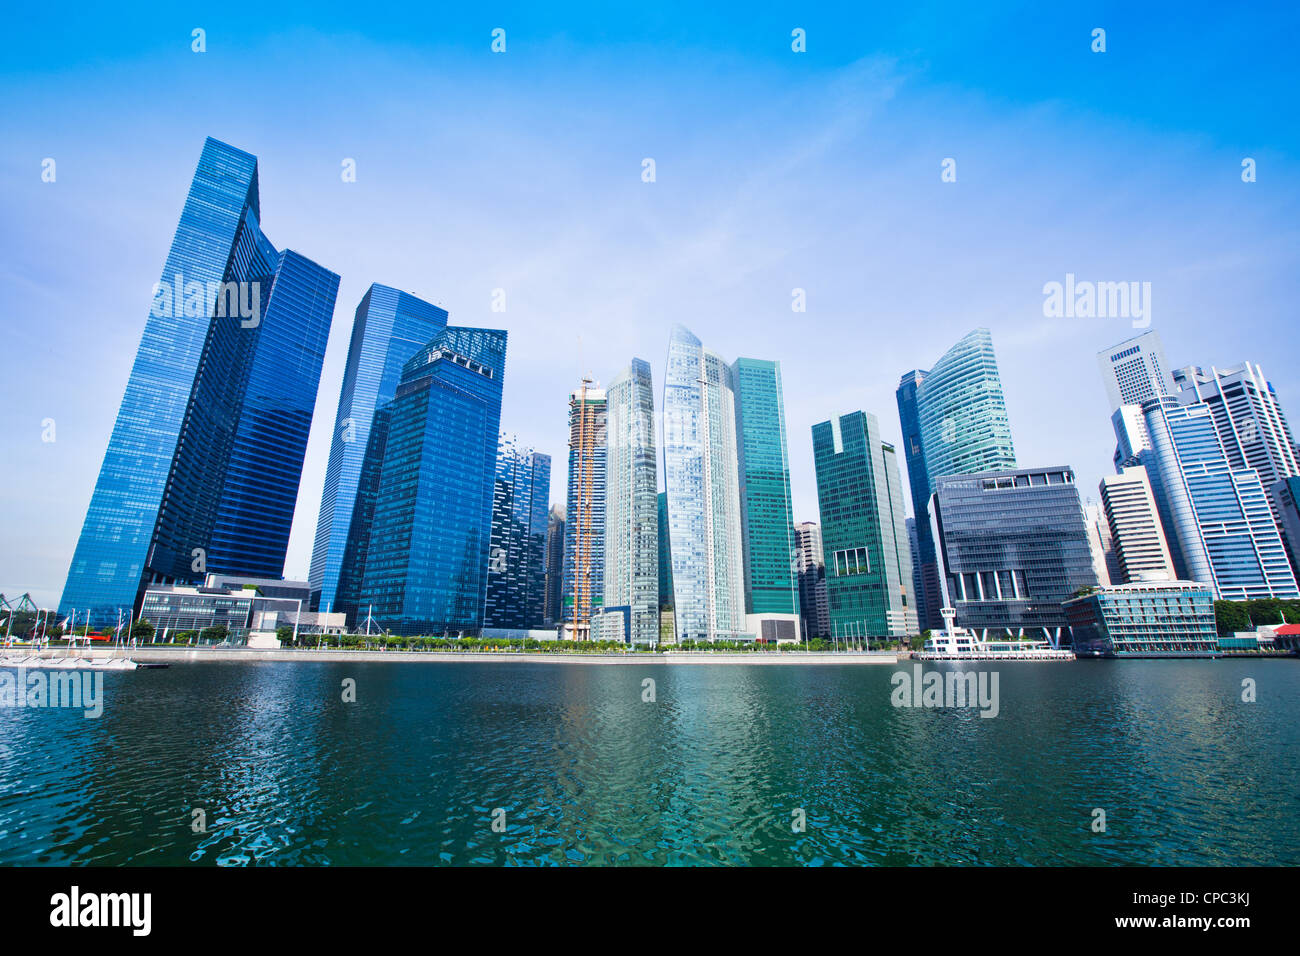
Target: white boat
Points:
(69, 663)
(958, 644)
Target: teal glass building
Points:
(766, 516)
(204, 460)
(427, 560)
(863, 527)
(1144, 619)
(388, 328)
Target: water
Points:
(586, 772)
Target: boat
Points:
(958, 644)
(35, 662)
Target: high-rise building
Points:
(1135, 527)
(925, 567)
(667, 629)
(584, 530)
(204, 461)
(1014, 547)
(701, 472)
(631, 572)
(766, 517)
(389, 327)
(962, 415)
(864, 537)
(426, 571)
(1135, 370)
(1105, 561)
(516, 571)
(1219, 516)
(1249, 420)
(554, 565)
(812, 581)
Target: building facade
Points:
(1135, 370)
(864, 535)
(1135, 529)
(516, 571)
(631, 573)
(551, 613)
(812, 581)
(1144, 619)
(205, 457)
(766, 515)
(1014, 547)
(389, 327)
(703, 492)
(426, 571)
(583, 587)
(925, 565)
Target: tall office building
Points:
(667, 631)
(516, 570)
(1135, 370)
(703, 487)
(551, 613)
(1249, 420)
(583, 589)
(426, 571)
(812, 581)
(1014, 547)
(1135, 527)
(962, 415)
(864, 537)
(925, 566)
(1105, 560)
(388, 328)
(203, 464)
(1219, 515)
(631, 572)
(766, 517)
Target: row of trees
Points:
(1230, 616)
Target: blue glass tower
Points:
(427, 561)
(516, 585)
(203, 464)
(390, 326)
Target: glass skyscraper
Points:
(203, 464)
(863, 530)
(1218, 518)
(925, 565)
(516, 588)
(426, 570)
(1014, 547)
(767, 519)
(583, 585)
(554, 565)
(703, 489)
(961, 412)
(631, 572)
(389, 327)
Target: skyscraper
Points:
(554, 565)
(389, 327)
(631, 572)
(812, 581)
(766, 517)
(1135, 527)
(1219, 516)
(962, 415)
(584, 530)
(667, 632)
(1014, 547)
(864, 535)
(925, 567)
(703, 488)
(1105, 560)
(516, 572)
(426, 571)
(202, 468)
(1135, 370)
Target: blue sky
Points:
(775, 170)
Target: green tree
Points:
(142, 630)
(1230, 616)
(215, 634)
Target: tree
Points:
(284, 633)
(216, 633)
(1230, 616)
(142, 630)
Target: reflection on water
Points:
(586, 772)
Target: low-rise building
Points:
(1151, 618)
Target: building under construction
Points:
(584, 528)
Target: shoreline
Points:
(147, 655)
